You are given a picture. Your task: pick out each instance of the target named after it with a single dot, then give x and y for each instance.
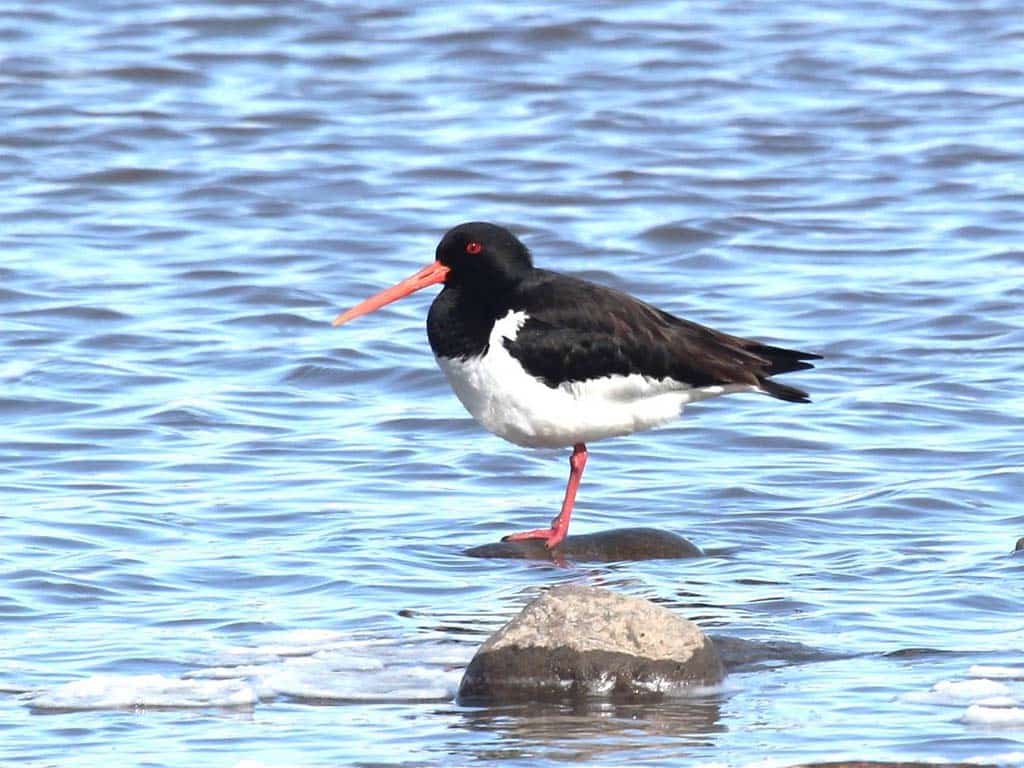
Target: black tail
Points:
(784, 392)
(782, 360)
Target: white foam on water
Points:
(990, 703)
(305, 642)
(330, 666)
(15, 369)
(319, 665)
(299, 642)
(998, 701)
(142, 691)
(225, 673)
(1005, 717)
(1011, 673)
(396, 672)
(958, 692)
(322, 682)
(1006, 758)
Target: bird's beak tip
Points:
(434, 272)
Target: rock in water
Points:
(618, 545)
(575, 642)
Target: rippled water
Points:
(231, 533)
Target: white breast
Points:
(521, 408)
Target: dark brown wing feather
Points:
(579, 330)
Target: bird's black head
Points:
(486, 258)
(478, 252)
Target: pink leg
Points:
(560, 525)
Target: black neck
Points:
(461, 318)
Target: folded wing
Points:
(578, 331)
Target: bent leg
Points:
(554, 535)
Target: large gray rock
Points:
(575, 642)
(617, 545)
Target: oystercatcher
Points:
(546, 360)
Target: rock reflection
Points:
(589, 729)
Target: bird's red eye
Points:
(473, 247)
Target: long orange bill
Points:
(429, 275)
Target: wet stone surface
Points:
(619, 545)
(577, 642)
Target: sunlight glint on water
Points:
(233, 534)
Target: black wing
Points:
(578, 330)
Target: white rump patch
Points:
(521, 408)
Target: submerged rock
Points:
(883, 764)
(740, 654)
(620, 544)
(575, 642)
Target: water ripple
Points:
(199, 469)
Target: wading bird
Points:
(546, 360)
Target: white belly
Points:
(521, 408)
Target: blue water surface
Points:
(232, 535)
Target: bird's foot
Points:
(552, 536)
